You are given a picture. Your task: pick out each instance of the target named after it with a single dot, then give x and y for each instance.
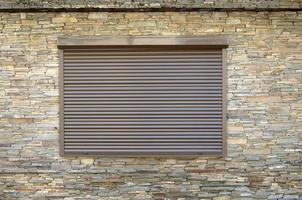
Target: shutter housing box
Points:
(143, 96)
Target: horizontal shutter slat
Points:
(138, 55)
(213, 133)
(151, 144)
(143, 99)
(151, 139)
(116, 61)
(159, 146)
(129, 130)
(135, 65)
(213, 91)
(142, 151)
(144, 106)
(131, 71)
(131, 95)
(107, 86)
(138, 120)
(144, 102)
(144, 112)
(157, 123)
(132, 75)
(142, 109)
(146, 116)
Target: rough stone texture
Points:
(203, 4)
(264, 159)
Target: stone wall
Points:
(149, 4)
(264, 159)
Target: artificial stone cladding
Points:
(264, 66)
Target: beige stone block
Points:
(222, 198)
(233, 21)
(20, 120)
(240, 57)
(11, 26)
(279, 109)
(235, 129)
(216, 15)
(232, 140)
(50, 143)
(142, 23)
(52, 72)
(13, 92)
(229, 29)
(37, 40)
(289, 97)
(296, 106)
(209, 29)
(134, 32)
(23, 83)
(97, 15)
(179, 18)
(257, 43)
(259, 151)
(18, 102)
(194, 19)
(135, 16)
(64, 19)
(255, 69)
(8, 67)
(28, 153)
(87, 161)
(29, 22)
(263, 99)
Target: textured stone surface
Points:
(264, 158)
(120, 4)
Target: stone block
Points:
(87, 161)
(233, 21)
(222, 198)
(23, 83)
(179, 18)
(28, 22)
(239, 141)
(135, 16)
(20, 120)
(264, 99)
(64, 19)
(97, 15)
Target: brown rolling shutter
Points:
(142, 100)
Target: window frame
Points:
(217, 42)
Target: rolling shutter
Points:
(130, 100)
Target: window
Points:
(142, 96)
